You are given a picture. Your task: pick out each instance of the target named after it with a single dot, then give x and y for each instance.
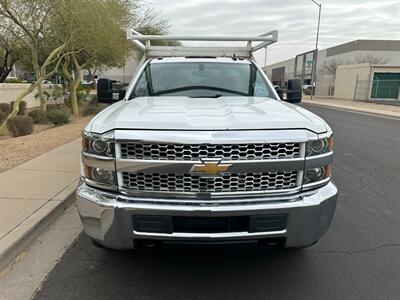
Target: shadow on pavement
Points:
(90, 272)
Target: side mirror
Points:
(279, 91)
(105, 91)
(121, 94)
(294, 91)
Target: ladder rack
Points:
(247, 51)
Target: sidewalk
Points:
(33, 195)
(372, 108)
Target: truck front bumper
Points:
(109, 221)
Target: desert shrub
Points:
(58, 93)
(54, 106)
(91, 110)
(82, 95)
(3, 116)
(53, 93)
(38, 116)
(5, 107)
(13, 80)
(20, 125)
(22, 107)
(58, 117)
(92, 99)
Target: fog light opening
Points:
(316, 174)
(103, 175)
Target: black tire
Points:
(99, 245)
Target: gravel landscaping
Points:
(15, 151)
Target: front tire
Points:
(100, 245)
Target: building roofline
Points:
(355, 45)
(363, 65)
(364, 44)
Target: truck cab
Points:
(202, 149)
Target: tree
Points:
(149, 21)
(95, 31)
(11, 49)
(98, 36)
(374, 60)
(30, 19)
(330, 66)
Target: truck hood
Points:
(224, 113)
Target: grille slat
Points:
(241, 182)
(147, 151)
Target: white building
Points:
(376, 52)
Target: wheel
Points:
(99, 245)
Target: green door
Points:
(385, 86)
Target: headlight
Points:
(102, 176)
(319, 146)
(98, 160)
(98, 144)
(317, 174)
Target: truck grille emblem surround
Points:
(210, 168)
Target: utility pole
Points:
(314, 70)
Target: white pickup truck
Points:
(203, 150)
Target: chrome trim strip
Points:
(105, 137)
(330, 153)
(100, 185)
(215, 137)
(205, 196)
(325, 135)
(184, 166)
(318, 160)
(97, 161)
(207, 236)
(316, 184)
(116, 200)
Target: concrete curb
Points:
(20, 238)
(393, 115)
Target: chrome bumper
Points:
(110, 222)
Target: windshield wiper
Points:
(199, 87)
(211, 96)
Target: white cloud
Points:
(296, 20)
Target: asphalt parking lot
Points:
(359, 258)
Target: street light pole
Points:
(314, 70)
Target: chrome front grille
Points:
(230, 183)
(147, 151)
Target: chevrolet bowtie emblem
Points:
(210, 168)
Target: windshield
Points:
(201, 79)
